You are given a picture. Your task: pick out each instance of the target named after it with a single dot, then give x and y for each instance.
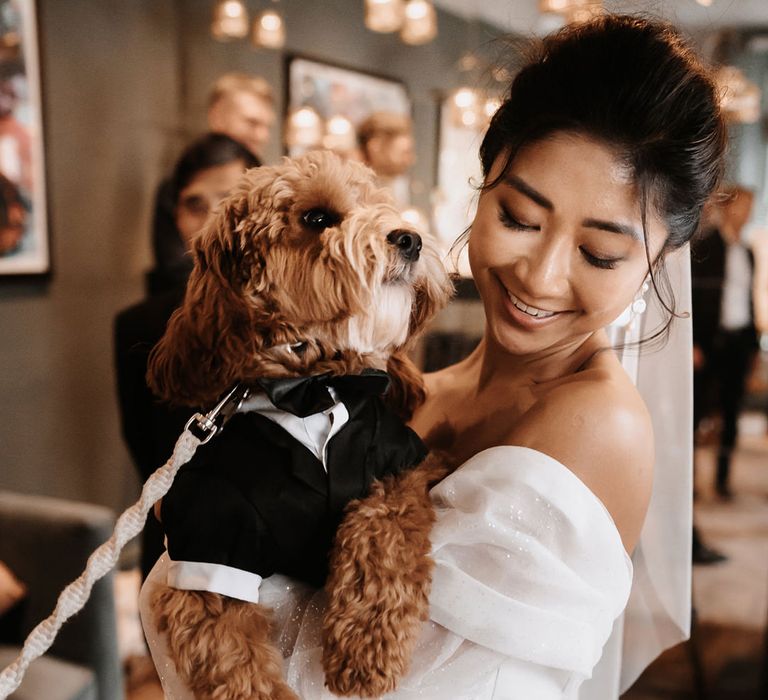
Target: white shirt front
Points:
(314, 432)
(735, 308)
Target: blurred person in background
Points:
(724, 331)
(240, 106)
(243, 107)
(204, 175)
(386, 145)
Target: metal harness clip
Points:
(204, 427)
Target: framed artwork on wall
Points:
(326, 103)
(458, 176)
(24, 239)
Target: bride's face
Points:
(557, 247)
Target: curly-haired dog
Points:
(307, 271)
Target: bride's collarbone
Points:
(464, 426)
(465, 423)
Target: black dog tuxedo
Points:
(256, 500)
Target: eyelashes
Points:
(512, 223)
(602, 263)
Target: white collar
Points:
(314, 431)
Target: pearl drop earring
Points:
(639, 305)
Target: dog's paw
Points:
(220, 647)
(378, 586)
(369, 631)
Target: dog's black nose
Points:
(408, 243)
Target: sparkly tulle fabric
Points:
(530, 576)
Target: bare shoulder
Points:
(598, 426)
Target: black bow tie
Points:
(304, 396)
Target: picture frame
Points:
(458, 175)
(337, 99)
(24, 234)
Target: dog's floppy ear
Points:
(406, 390)
(214, 335)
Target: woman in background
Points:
(203, 176)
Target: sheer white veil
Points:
(658, 614)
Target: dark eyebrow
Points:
(528, 191)
(612, 227)
(524, 188)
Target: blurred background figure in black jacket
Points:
(724, 334)
(203, 176)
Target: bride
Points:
(596, 167)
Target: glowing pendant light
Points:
(420, 25)
(572, 10)
(384, 16)
(304, 128)
(339, 135)
(230, 20)
(464, 108)
(269, 30)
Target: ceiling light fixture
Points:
(384, 16)
(269, 30)
(230, 20)
(420, 23)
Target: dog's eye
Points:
(320, 219)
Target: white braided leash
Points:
(102, 561)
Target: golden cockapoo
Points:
(307, 269)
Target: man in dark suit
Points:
(724, 333)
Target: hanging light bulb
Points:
(384, 16)
(304, 128)
(465, 98)
(554, 6)
(420, 25)
(468, 62)
(491, 105)
(269, 30)
(464, 107)
(230, 20)
(339, 135)
(572, 10)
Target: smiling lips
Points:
(530, 310)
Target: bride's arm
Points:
(530, 574)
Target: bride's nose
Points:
(545, 271)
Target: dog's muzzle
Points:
(408, 243)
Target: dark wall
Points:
(124, 86)
(111, 103)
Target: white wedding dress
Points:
(533, 592)
(530, 574)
